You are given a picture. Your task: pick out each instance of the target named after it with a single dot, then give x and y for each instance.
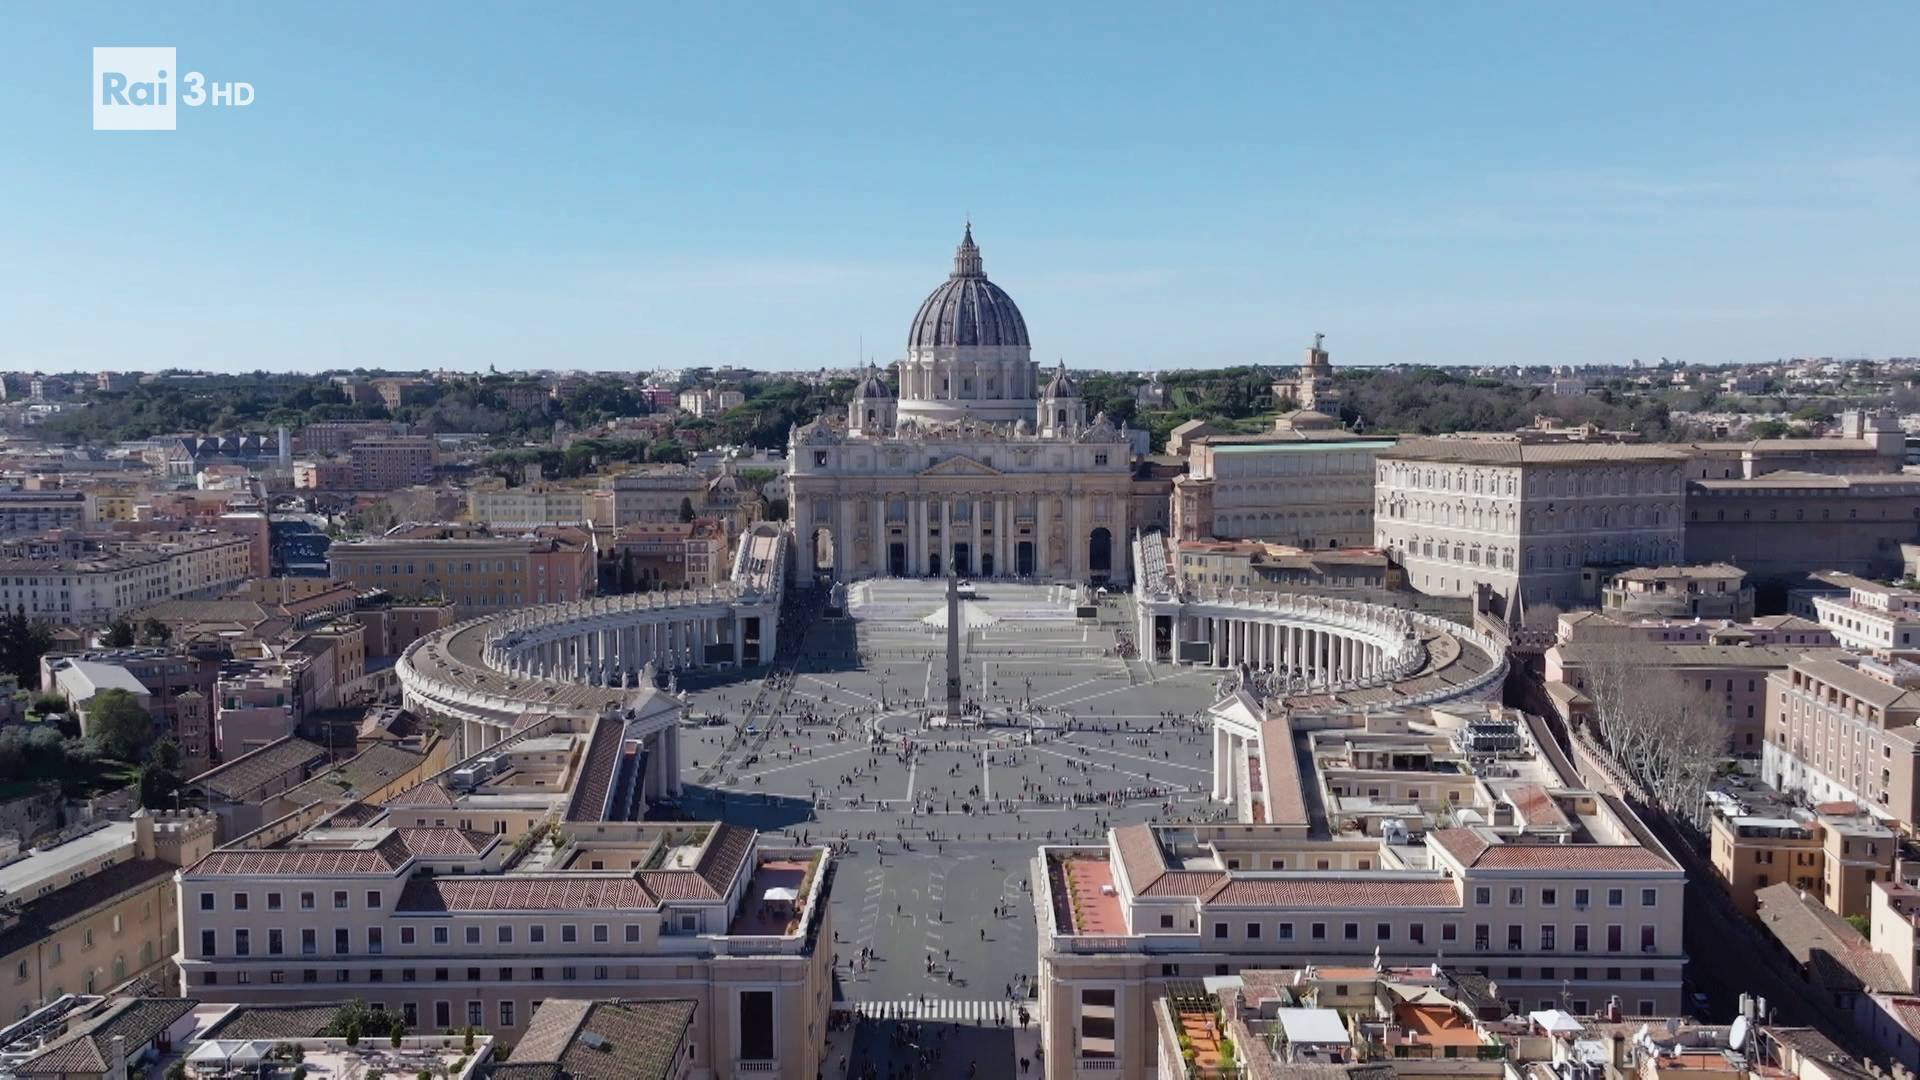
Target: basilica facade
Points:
(975, 465)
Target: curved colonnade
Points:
(1303, 651)
(597, 658)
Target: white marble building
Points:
(974, 466)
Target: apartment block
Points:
(1405, 849)
(90, 583)
(1834, 852)
(672, 555)
(1841, 729)
(656, 493)
(1868, 616)
(94, 908)
(391, 463)
(539, 504)
(26, 513)
(476, 570)
(517, 876)
(1717, 591)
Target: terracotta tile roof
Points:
(1834, 955)
(444, 841)
(1472, 849)
(383, 859)
(1139, 855)
(1571, 857)
(677, 885)
(1506, 450)
(354, 815)
(1464, 845)
(431, 793)
(243, 774)
(365, 773)
(1185, 883)
(635, 1040)
(42, 915)
(86, 1047)
(1537, 808)
(726, 851)
(1286, 805)
(1338, 893)
(595, 782)
(274, 1021)
(525, 892)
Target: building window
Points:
(506, 1014)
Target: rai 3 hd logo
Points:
(141, 88)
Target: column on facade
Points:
(879, 510)
(1003, 531)
(1042, 556)
(916, 539)
(1222, 762)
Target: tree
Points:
(22, 643)
(155, 632)
(686, 509)
(119, 725)
(119, 634)
(159, 778)
(1668, 735)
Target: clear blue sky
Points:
(611, 187)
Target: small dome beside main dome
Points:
(967, 309)
(1062, 384)
(873, 386)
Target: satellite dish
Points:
(1737, 1038)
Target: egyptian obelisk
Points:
(953, 647)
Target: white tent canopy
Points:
(781, 892)
(210, 1053)
(972, 617)
(250, 1053)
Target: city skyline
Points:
(1475, 187)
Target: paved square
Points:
(932, 909)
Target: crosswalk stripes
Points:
(947, 1010)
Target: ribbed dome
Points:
(968, 309)
(873, 386)
(1062, 384)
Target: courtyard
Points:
(1064, 736)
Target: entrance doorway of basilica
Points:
(897, 560)
(822, 551)
(986, 564)
(1100, 556)
(963, 560)
(933, 565)
(1023, 558)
